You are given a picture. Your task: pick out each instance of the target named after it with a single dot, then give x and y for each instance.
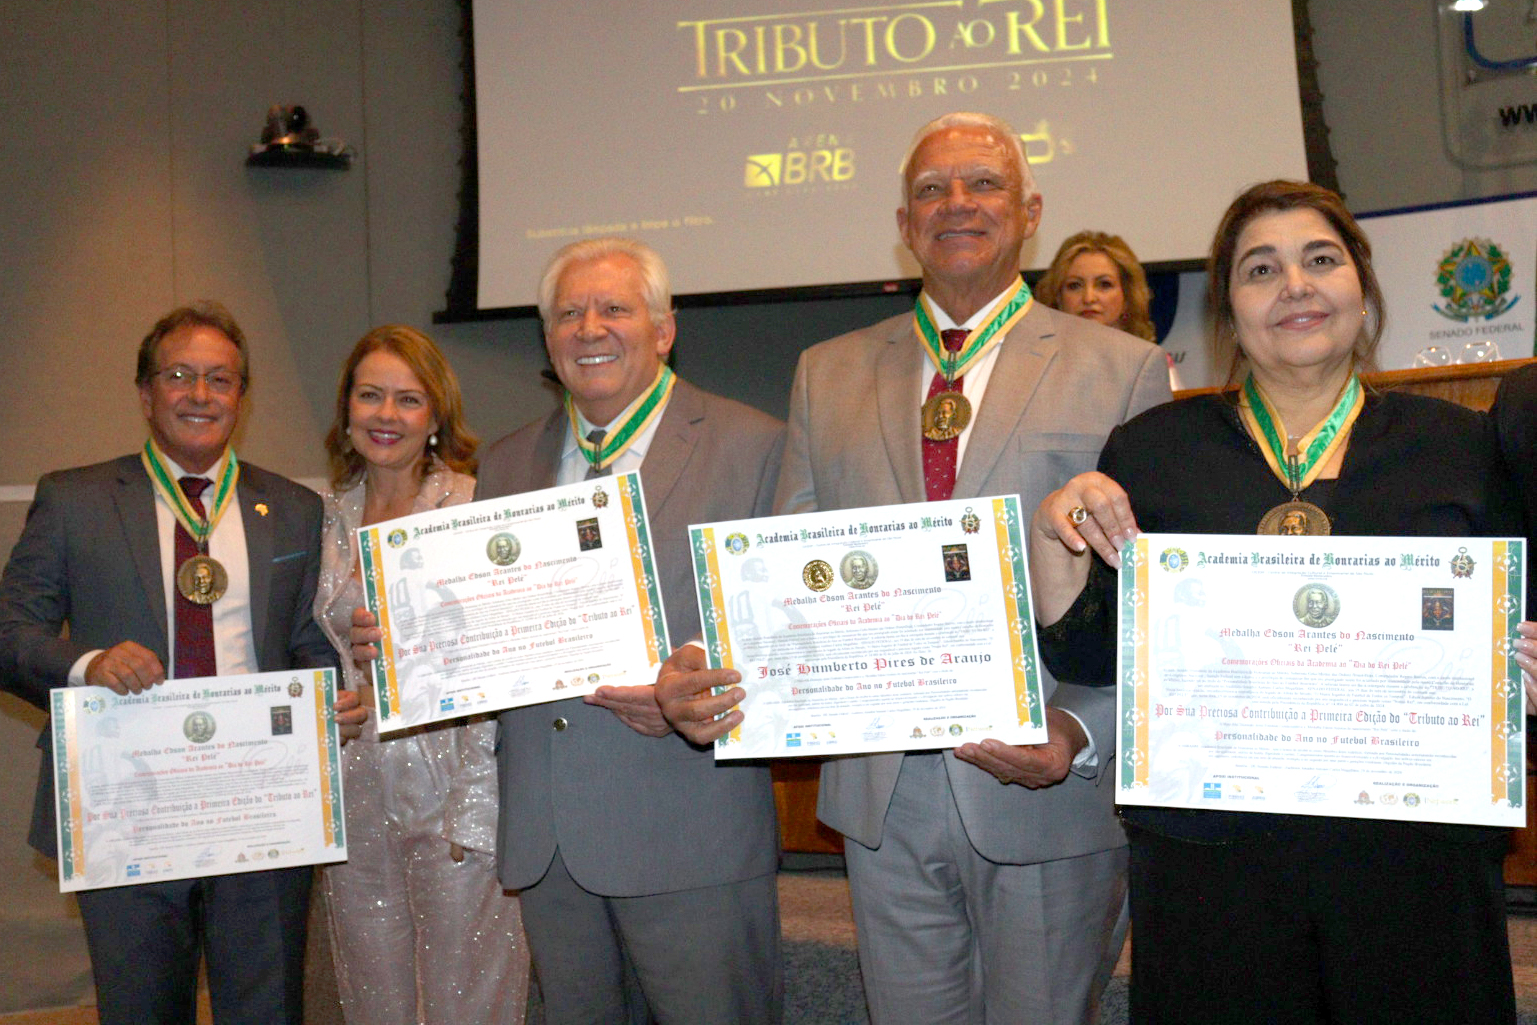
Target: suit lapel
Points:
(1022, 361)
(547, 452)
(672, 445)
(901, 417)
(259, 553)
(135, 503)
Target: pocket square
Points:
(291, 555)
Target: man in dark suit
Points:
(635, 854)
(988, 881)
(100, 553)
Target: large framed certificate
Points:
(196, 777)
(1367, 677)
(513, 601)
(903, 627)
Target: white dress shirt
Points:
(973, 385)
(573, 464)
(234, 640)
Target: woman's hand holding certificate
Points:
(513, 601)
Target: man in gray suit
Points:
(636, 855)
(988, 881)
(100, 552)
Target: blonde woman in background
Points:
(1095, 275)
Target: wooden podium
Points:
(1473, 385)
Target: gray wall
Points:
(123, 192)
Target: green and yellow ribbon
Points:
(167, 488)
(637, 416)
(1315, 448)
(1004, 315)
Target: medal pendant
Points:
(202, 580)
(945, 415)
(1295, 519)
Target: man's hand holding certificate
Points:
(196, 777)
(884, 629)
(1353, 676)
(513, 601)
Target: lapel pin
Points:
(261, 507)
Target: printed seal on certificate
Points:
(1316, 605)
(858, 569)
(199, 727)
(1462, 564)
(503, 549)
(817, 575)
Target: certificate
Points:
(196, 777)
(897, 628)
(1367, 677)
(513, 601)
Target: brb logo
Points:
(809, 160)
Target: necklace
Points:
(1297, 467)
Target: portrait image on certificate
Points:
(1366, 677)
(513, 601)
(902, 627)
(196, 777)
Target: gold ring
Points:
(1077, 515)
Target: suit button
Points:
(560, 723)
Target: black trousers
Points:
(1324, 921)
(146, 942)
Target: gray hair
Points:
(994, 126)
(655, 288)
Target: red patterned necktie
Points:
(939, 456)
(194, 622)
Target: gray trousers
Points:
(706, 956)
(947, 937)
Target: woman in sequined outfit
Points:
(420, 928)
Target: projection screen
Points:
(756, 143)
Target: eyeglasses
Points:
(184, 379)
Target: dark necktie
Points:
(194, 622)
(939, 456)
(595, 437)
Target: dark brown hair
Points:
(203, 313)
(1274, 196)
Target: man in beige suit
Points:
(988, 881)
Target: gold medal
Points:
(817, 575)
(1295, 519)
(945, 415)
(1300, 464)
(202, 580)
